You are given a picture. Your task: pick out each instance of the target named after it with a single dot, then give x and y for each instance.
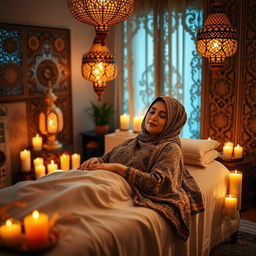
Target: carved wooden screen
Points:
(228, 107)
(27, 54)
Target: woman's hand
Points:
(112, 167)
(89, 163)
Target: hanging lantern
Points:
(217, 39)
(98, 66)
(101, 13)
(51, 121)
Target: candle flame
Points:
(235, 171)
(35, 214)
(209, 138)
(230, 196)
(52, 162)
(75, 155)
(8, 223)
(37, 135)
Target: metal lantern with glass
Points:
(98, 65)
(217, 39)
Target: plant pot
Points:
(102, 129)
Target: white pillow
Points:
(205, 160)
(196, 148)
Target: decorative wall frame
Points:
(29, 57)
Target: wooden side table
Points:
(247, 166)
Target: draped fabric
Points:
(156, 55)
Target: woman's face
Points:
(156, 118)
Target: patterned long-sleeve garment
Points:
(160, 181)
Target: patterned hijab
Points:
(176, 119)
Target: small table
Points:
(247, 165)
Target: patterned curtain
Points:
(158, 57)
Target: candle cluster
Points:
(125, 120)
(40, 168)
(233, 200)
(229, 151)
(36, 231)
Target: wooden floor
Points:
(249, 214)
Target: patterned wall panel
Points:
(29, 58)
(228, 101)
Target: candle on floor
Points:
(52, 167)
(227, 152)
(235, 185)
(25, 160)
(231, 206)
(36, 230)
(65, 162)
(75, 161)
(37, 142)
(124, 122)
(39, 171)
(11, 233)
(38, 161)
(238, 151)
(137, 124)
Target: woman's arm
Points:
(164, 175)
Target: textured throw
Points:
(157, 174)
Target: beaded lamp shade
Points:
(101, 13)
(98, 66)
(217, 39)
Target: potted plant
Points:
(100, 115)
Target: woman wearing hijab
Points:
(152, 163)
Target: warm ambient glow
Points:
(124, 122)
(25, 158)
(37, 142)
(235, 185)
(35, 214)
(231, 206)
(217, 39)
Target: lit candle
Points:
(38, 161)
(231, 144)
(39, 171)
(25, 160)
(52, 123)
(137, 124)
(65, 162)
(235, 185)
(227, 152)
(75, 161)
(37, 143)
(36, 230)
(231, 206)
(52, 167)
(124, 122)
(11, 233)
(238, 151)
(209, 138)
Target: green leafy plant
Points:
(100, 114)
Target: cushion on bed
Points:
(199, 152)
(205, 160)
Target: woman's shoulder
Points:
(169, 146)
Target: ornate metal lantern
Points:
(217, 39)
(51, 120)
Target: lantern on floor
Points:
(98, 66)
(51, 120)
(217, 39)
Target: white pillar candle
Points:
(238, 151)
(231, 144)
(124, 122)
(231, 206)
(25, 160)
(37, 142)
(137, 124)
(75, 161)
(11, 233)
(235, 185)
(38, 161)
(65, 162)
(39, 171)
(52, 167)
(227, 152)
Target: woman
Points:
(152, 163)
